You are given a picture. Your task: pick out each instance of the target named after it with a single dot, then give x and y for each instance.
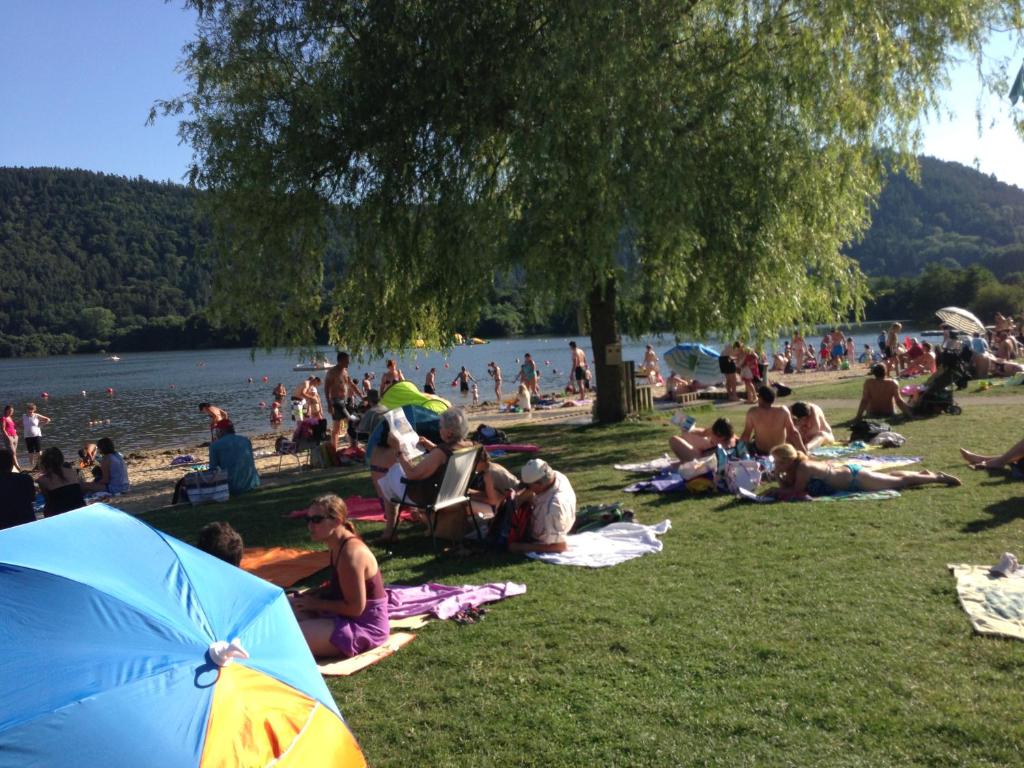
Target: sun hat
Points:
(534, 471)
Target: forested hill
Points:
(87, 256)
(91, 261)
(955, 217)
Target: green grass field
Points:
(804, 634)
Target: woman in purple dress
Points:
(350, 615)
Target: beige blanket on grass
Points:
(994, 604)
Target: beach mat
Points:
(282, 566)
(653, 466)
(745, 495)
(365, 509)
(418, 621)
(994, 604)
(346, 667)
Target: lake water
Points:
(156, 394)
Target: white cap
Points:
(534, 471)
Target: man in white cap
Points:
(554, 508)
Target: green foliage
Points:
(88, 255)
(950, 214)
(696, 166)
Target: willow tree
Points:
(693, 165)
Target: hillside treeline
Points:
(94, 262)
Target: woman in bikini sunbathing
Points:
(802, 476)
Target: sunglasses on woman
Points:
(315, 518)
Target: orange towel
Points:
(283, 566)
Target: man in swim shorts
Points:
(578, 366)
(881, 396)
(768, 425)
(340, 391)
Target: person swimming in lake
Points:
(800, 476)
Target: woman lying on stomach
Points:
(801, 476)
(350, 615)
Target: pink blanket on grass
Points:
(362, 508)
(444, 601)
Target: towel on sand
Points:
(610, 545)
(994, 604)
(345, 667)
(283, 566)
(444, 601)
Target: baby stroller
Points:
(954, 371)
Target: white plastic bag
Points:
(698, 467)
(742, 473)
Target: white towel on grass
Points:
(648, 467)
(607, 546)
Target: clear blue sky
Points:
(79, 78)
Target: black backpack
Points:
(865, 429)
(486, 435)
(726, 364)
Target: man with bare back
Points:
(769, 425)
(881, 396)
(340, 391)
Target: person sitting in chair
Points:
(429, 468)
(553, 508)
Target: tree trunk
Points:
(604, 331)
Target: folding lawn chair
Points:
(451, 491)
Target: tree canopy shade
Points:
(691, 163)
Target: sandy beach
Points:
(153, 478)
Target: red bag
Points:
(519, 529)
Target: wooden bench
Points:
(686, 397)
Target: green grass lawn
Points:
(801, 634)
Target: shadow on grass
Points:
(1000, 513)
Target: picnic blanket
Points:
(608, 546)
(834, 451)
(500, 449)
(879, 462)
(666, 482)
(443, 601)
(345, 667)
(994, 604)
(282, 566)
(648, 467)
(363, 508)
(745, 495)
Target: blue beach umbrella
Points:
(122, 646)
(695, 361)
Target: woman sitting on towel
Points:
(800, 476)
(113, 473)
(453, 428)
(350, 615)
